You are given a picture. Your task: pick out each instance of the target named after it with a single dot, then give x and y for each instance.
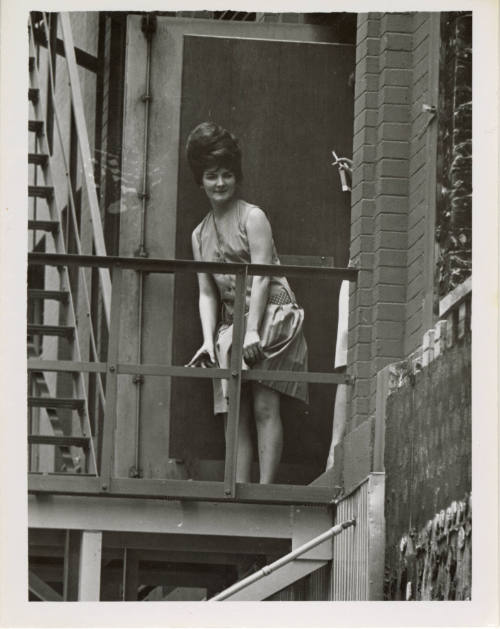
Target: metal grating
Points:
(350, 570)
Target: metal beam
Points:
(89, 573)
(72, 545)
(83, 58)
(130, 577)
(41, 589)
(201, 544)
(154, 516)
(38, 364)
(176, 576)
(161, 265)
(233, 414)
(180, 489)
(189, 555)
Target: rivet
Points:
(112, 368)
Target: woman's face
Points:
(219, 185)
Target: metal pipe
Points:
(148, 28)
(279, 563)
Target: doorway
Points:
(284, 91)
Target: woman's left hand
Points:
(252, 348)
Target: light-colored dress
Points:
(283, 343)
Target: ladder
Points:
(58, 401)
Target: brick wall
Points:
(391, 197)
(422, 172)
(362, 210)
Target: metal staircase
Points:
(58, 403)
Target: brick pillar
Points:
(379, 231)
(362, 211)
(391, 204)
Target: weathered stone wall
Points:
(435, 563)
(428, 467)
(454, 199)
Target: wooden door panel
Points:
(290, 104)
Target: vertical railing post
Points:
(235, 384)
(86, 157)
(107, 453)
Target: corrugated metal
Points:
(314, 587)
(350, 575)
(356, 571)
(318, 584)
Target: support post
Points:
(383, 378)
(130, 579)
(235, 385)
(107, 457)
(89, 573)
(72, 545)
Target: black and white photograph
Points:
(256, 368)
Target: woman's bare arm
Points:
(208, 305)
(260, 242)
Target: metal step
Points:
(56, 402)
(45, 226)
(36, 126)
(40, 159)
(55, 440)
(33, 93)
(65, 331)
(70, 462)
(56, 295)
(42, 192)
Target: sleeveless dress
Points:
(283, 343)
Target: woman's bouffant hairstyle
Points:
(212, 146)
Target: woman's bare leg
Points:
(266, 410)
(339, 421)
(245, 448)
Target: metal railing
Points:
(105, 482)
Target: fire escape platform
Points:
(167, 537)
(133, 515)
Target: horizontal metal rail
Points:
(146, 369)
(228, 490)
(160, 265)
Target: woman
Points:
(236, 231)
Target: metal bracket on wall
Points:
(432, 111)
(148, 25)
(134, 472)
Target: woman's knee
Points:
(266, 405)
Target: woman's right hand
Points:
(204, 357)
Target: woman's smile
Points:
(219, 185)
